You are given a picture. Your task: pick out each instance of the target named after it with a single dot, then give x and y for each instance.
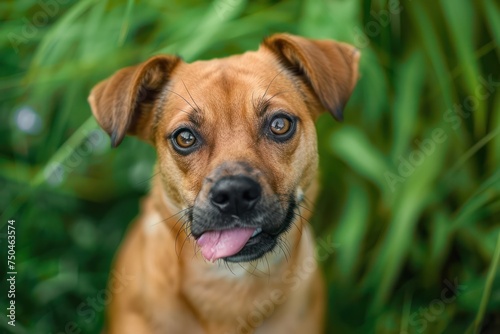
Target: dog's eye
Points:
(185, 139)
(280, 125)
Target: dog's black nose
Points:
(235, 195)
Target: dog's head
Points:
(235, 137)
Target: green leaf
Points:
(352, 228)
(488, 289)
(408, 86)
(411, 200)
(353, 147)
(492, 14)
(434, 50)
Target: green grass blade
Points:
(213, 22)
(352, 146)
(409, 85)
(486, 192)
(126, 22)
(61, 28)
(352, 227)
(410, 201)
(65, 151)
(457, 13)
(492, 14)
(492, 273)
(434, 50)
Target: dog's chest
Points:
(228, 291)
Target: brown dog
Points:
(220, 240)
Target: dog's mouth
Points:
(230, 244)
(242, 244)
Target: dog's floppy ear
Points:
(330, 68)
(123, 103)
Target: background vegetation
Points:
(411, 210)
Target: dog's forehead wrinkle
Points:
(231, 78)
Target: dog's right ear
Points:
(123, 104)
(329, 67)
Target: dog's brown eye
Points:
(185, 139)
(280, 125)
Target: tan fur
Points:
(173, 289)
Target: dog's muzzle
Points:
(237, 218)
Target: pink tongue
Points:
(218, 244)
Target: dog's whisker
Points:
(306, 199)
(185, 239)
(182, 97)
(183, 223)
(295, 224)
(288, 248)
(279, 93)
(268, 268)
(196, 104)
(296, 243)
(175, 244)
(185, 212)
(256, 268)
(299, 213)
(262, 272)
(296, 214)
(181, 211)
(280, 245)
(182, 228)
(229, 268)
(184, 111)
(147, 179)
(303, 207)
(248, 272)
(285, 253)
(196, 250)
(164, 220)
(267, 89)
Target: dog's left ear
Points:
(330, 68)
(123, 104)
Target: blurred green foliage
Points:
(411, 179)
